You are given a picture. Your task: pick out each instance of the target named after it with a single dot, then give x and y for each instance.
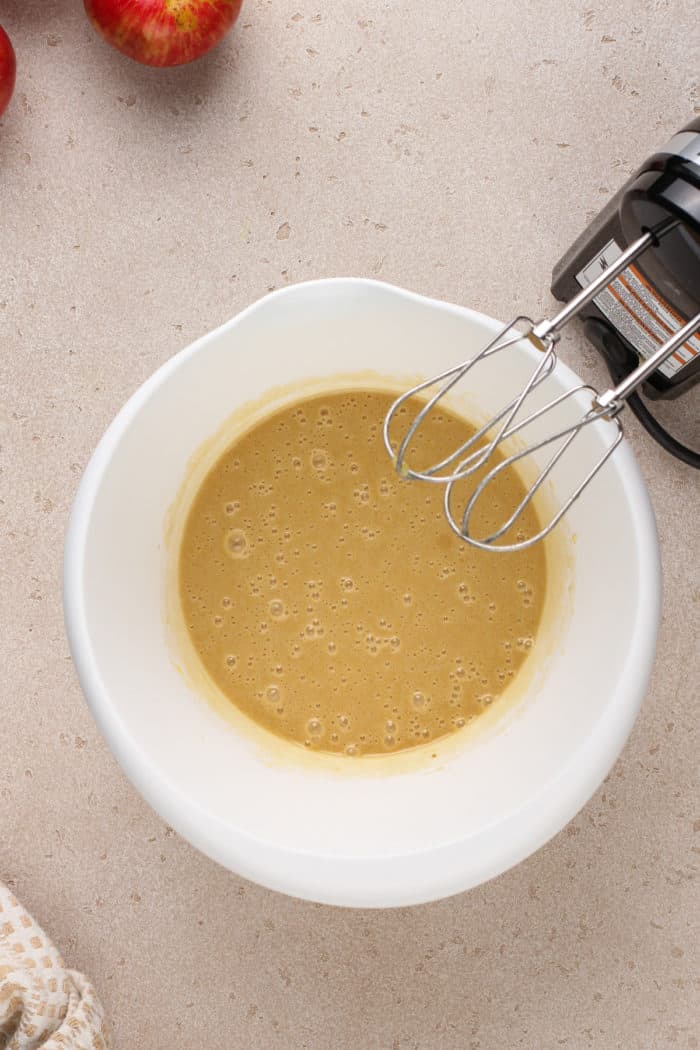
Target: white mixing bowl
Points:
(329, 832)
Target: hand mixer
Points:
(508, 422)
(636, 316)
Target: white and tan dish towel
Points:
(42, 1004)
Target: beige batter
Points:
(329, 600)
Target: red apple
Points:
(8, 68)
(163, 32)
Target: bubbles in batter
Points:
(329, 601)
(236, 545)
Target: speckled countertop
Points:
(457, 149)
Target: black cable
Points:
(653, 427)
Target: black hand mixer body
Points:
(655, 296)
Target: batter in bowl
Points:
(328, 599)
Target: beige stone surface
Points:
(452, 147)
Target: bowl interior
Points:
(316, 831)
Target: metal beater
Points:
(476, 452)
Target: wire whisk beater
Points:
(516, 418)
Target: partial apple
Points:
(8, 68)
(163, 32)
